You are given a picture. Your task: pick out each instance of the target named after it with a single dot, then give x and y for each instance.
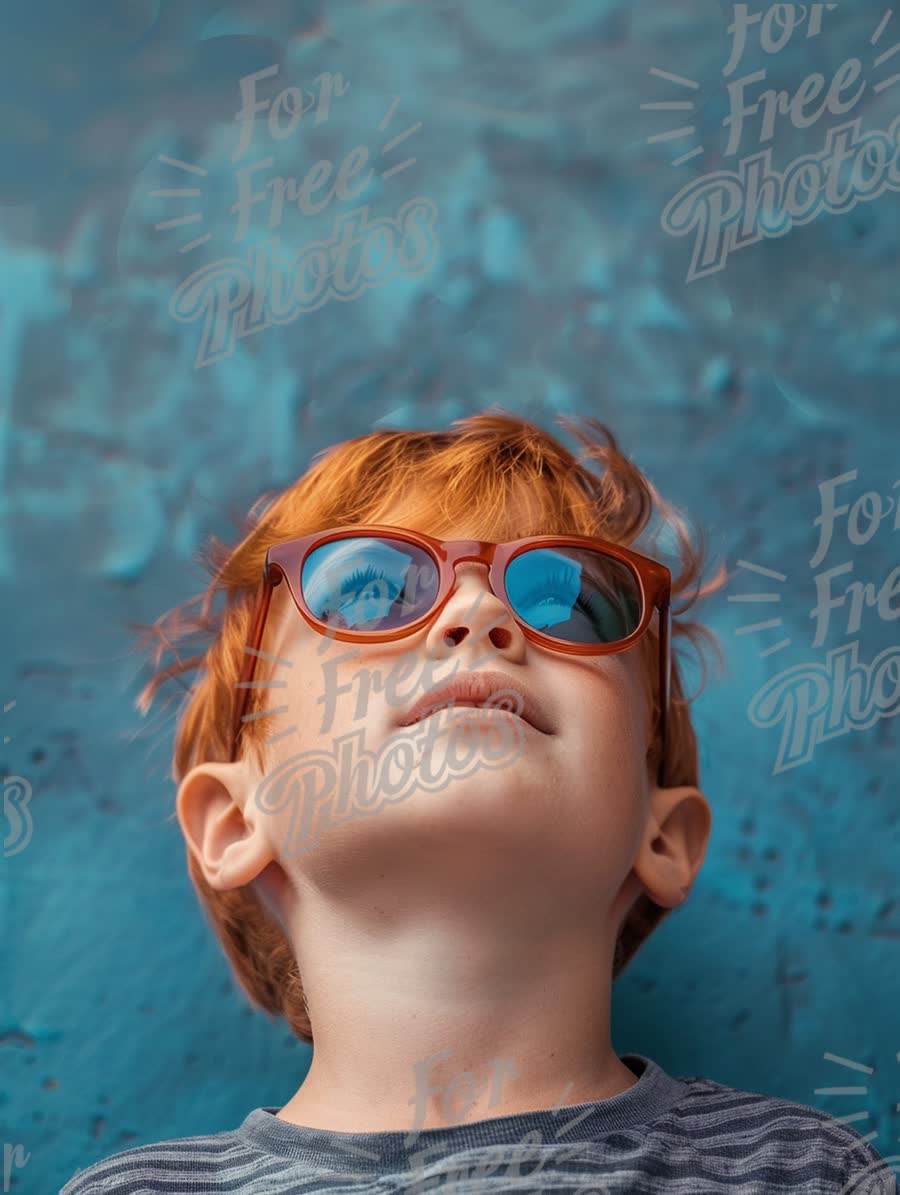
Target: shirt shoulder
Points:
(211, 1160)
(754, 1142)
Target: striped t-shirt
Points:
(681, 1136)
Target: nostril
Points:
(500, 637)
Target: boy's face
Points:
(491, 806)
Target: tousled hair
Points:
(506, 478)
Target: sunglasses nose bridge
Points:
(470, 551)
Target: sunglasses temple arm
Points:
(665, 682)
(250, 658)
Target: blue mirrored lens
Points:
(575, 594)
(367, 583)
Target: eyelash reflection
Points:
(361, 578)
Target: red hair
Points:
(506, 478)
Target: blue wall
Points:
(549, 279)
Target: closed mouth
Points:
(491, 692)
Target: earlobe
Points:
(212, 800)
(674, 845)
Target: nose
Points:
(474, 612)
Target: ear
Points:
(674, 844)
(221, 824)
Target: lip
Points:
(481, 689)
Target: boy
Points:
(437, 785)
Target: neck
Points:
(448, 1016)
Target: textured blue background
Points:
(553, 288)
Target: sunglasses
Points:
(375, 584)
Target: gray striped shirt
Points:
(682, 1136)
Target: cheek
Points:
(336, 689)
(336, 694)
(607, 703)
(604, 732)
(605, 776)
(319, 685)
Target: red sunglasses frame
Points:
(285, 561)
